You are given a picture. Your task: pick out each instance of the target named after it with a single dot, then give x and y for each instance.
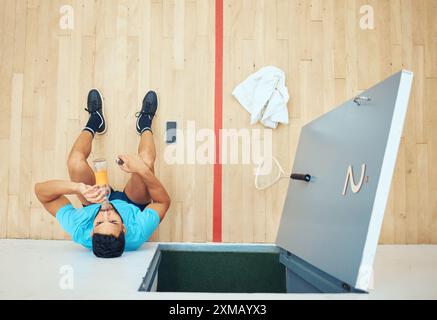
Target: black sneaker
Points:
(147, 113)
(96, 122)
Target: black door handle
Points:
(301, 177)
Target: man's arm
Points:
(51, 194)
(161, 199)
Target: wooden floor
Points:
(127, 47)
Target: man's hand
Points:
(133, 164)
(93, 194)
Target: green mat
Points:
(231, 272)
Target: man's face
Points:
(108, 222)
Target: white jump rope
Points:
(281, 174)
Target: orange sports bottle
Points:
(101, 174)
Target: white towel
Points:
(265, 96)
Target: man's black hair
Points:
(108, 246)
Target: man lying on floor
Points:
(132, 215)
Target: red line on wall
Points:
(218, 122)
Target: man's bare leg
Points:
(135, 189)
(78, 167)
(77, 164)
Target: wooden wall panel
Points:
(127, 47)
(124, 48)
(331, 59)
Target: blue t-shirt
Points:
(140, 225)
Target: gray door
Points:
(334, 221)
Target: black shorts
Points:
(118, 195)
